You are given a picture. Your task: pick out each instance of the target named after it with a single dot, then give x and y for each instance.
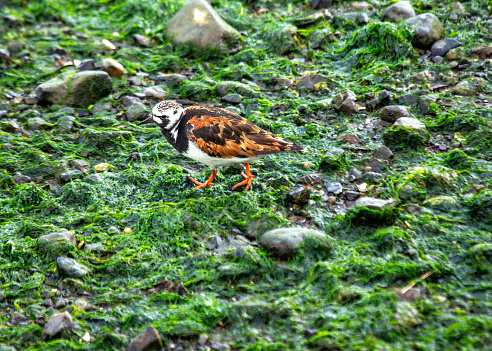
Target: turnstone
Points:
(216, 137)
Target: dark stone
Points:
(333, 187)
(393, 112)
(441, 47)
(352, 195)
(321, 4)
(232, 98)
(86, 65)
(21, 179)
(300, 194)
(408, 99)
(428, 29)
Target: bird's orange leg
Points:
(207, 183)
(248, 178)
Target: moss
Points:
(481, 206)
(363, 216)
(458, 159)
(401, 137)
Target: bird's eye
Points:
(175, 111)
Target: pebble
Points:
(21, 179)
(331, 200)
(384, 152)
(352, 195)
(60, 322)
(425, 101)
(61, 303)
(86, 65)
(155, 92)
(202, 339)
(127, 230)
(130, 100)
(412, 295)
(215, 242)
(232, 98)
(136, 112)
(11, 127)
(113, 67)
(141, 40)
(332, 186)
(57, 239)
(71, 268)
(441, 47)
(113, 230)
(135, 81)
(102, 167)
(392, 112)
(373, 177)
(428, 29)
(374, 203)
(398, 12)
(285, 242)
(70, 175)
(36, 123)
(148, 339)
(349, 106)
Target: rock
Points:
(441, 47)
(286, 242)
(80, 89)
(135, 81)
(384, 152)
(61, 303)
(55, 240)
(113, 67)
(197, 24)
(130, 100)
(349, 106)
(408, 99)
(309, 81)
(136, 112)
(300, 194)
(457, 8)
(437, 59)
(11, 127)
(398, 12)
(141, 40)
(421, 77)
(60, 323)
(468, 87)
(321, 4)
(86, 65)
(215, 242)
(373, 177)
(21, 179)
(373, 203)
(30, 99)
(202, 339)
(265, 222)
(352, 195)
(442, 203)
(425, 101)
(392, 112)
(94, 179)
(147, 340)
(232, 98)
(363, 19)
(406, 133)
(385, 97)
(412, 295)
(230, 87)
(65, 124)
(66, 177)
(428, 29)
(361, 6)
(101, 167)
(349, 138)
(113, 230)
(170, 79)
(332, 186)
(71, 268)
(36, 123)
(81, 165)
(155, 92)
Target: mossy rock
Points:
(363, 216)
(481, 206)
(402, 137)
(458, 159)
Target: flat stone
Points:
(155, 92)
(441, 47)
(135, 81)
(130, 100)
(425, 101)
(36, 123)
(57, 239)
(21, 179)
(332, 186)
(11, 127)
(408, 122)
(398, 12)
(81, 165)
(231, 87)
(408, 99)
(86, 65)
(198, 24)
(59, 323)
(392, 112)
(232, 98)
(66, 177)
(373, 177)
(71, 268)
(147, 340)
(428, 29)
(374, 203)
(287, 241)
(352, 195)
(171, 79)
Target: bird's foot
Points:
(207, 183)
(248, 178)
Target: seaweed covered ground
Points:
(102, 237)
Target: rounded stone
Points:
(398, 12)
(113, 67)
(136, 112)
(441, 47)
(428, 29)
(393, 112)
(287, 241)
(71, 268)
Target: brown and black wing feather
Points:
(224, 134)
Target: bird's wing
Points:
(221, 133)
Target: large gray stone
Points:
(199, 25)
(79, 89)
(136, 112)
(58, 324)
(374, 203)
(428, 29)
(398, 12)
(287, 241)
(149, 339)
(425, 101)
(393, 112)
(54, 240)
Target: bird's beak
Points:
(147, 120)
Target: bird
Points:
(216, 137)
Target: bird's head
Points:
(166, 114)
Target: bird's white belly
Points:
(196, 154)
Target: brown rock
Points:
(149, 339)
(113, 67)
(61, 322)
(349, 106)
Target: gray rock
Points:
(392, 112)
(398, 12)
(215, 242)
(135, 81)
(259, 225)
(441, 47)
(30, 99)
(65, 124)
(66, 177)
(58, 239)
(71, 268)
(170, 79)
(58, 324)
(352, 195)
(147, 340)
(11, 127)
(384, 152)
(425, 101)
(21, 179)
(36, 123)
(130, 100)
(408, 99)
(230, 87)
(113, 230)
(321, 4)
(458, 8)
(232, 98)
(286, 242)
(309, 81)
(86, 65)
(101, 107)
(61, 303)
(155, 92)
(409, 122)
(374, 203)
(373, 177)
(355, 173)
(363, 19)
(437, 59)
(94, 179)
(442, 203)
(79, 89)
(300, 194)
(332, 186)
(349, 106)
(136, 112)
(428, 29)
(81, 165)
(412, 295)
(468, 87)
(198, 25)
